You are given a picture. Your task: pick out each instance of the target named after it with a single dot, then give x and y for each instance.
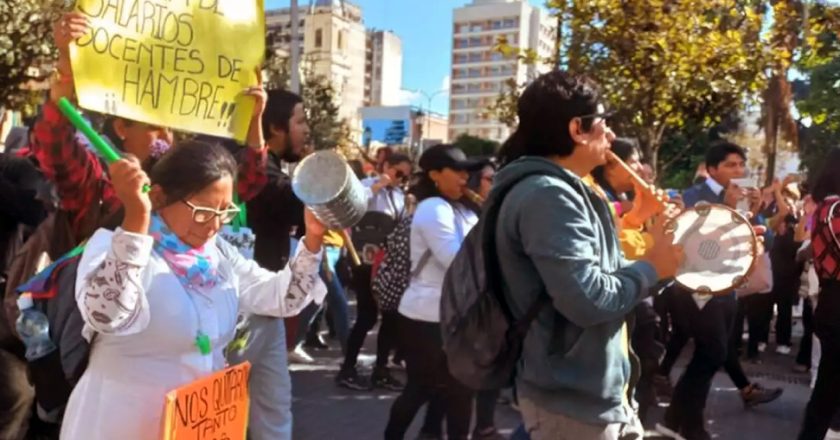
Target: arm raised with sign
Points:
(77, 173)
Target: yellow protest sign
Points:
(212, 408)
(182, 64)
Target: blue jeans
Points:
(336, 303)
(270, 415)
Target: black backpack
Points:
(481, 337)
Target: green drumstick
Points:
(98, 142)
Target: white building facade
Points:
(383, 68)
(479, 73)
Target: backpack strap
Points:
(421, 264)
(830, 222)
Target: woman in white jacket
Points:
(161, 296)
(440, 224)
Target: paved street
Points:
(324, 411)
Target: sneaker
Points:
(316, 343)
(490, 433)
(783, 349)
(762, 346)
(300, 356)
(755, 394)
(350, 379)
(384, 379)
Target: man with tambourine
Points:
(720, 247)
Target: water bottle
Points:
(34, 328)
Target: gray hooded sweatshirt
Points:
(556, 236)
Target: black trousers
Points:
(485, 408)
(758, 309)
(785, 293)
(648, 349)
(428, 380)
(807, 342)
(825, 398)
(367, 313)
(711, 328)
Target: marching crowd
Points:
(143, 295)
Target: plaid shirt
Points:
(78, 173)
(826, 249)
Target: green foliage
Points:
(475, 146)
(667, 68)
(818, 98)
(320, 99)
(25, 43)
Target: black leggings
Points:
(367, 313)
(825, 398)
(428, 380)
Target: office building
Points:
(383, 68)
(479, 73)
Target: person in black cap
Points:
(440, 224)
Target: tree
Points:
(474, 146)
(320, 99)
(663, 65)
(25, 45)
(817, 98)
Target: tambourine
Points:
(720, 248)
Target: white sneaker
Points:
(762, 346)
(832, 435)
(300, 356)
(783, 349)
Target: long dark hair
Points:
(190, 167)
(545, 109)
(624, 148)
(828, 180)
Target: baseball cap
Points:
(443, 156)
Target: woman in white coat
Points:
(160, 295)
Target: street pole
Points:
(429, 99)
(295, 48)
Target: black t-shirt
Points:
(273, 214)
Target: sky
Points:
(425, 27)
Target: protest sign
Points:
(182, 64)
(212, 408)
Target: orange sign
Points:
(212, 408)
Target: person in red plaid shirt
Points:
(80, 177)
(825, 239)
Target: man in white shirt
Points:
(385, 196)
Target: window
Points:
(493, 71)
(340, 40)
(474, 88)
(475, 41)
(460, 58)
(457, 73)
(319, 38)
(474, 72)
(509, 23)
(460, 43)
(476, 28)
(496, 56)
(475, 57)
(461, 28)
(497, 24)
(458, 88)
